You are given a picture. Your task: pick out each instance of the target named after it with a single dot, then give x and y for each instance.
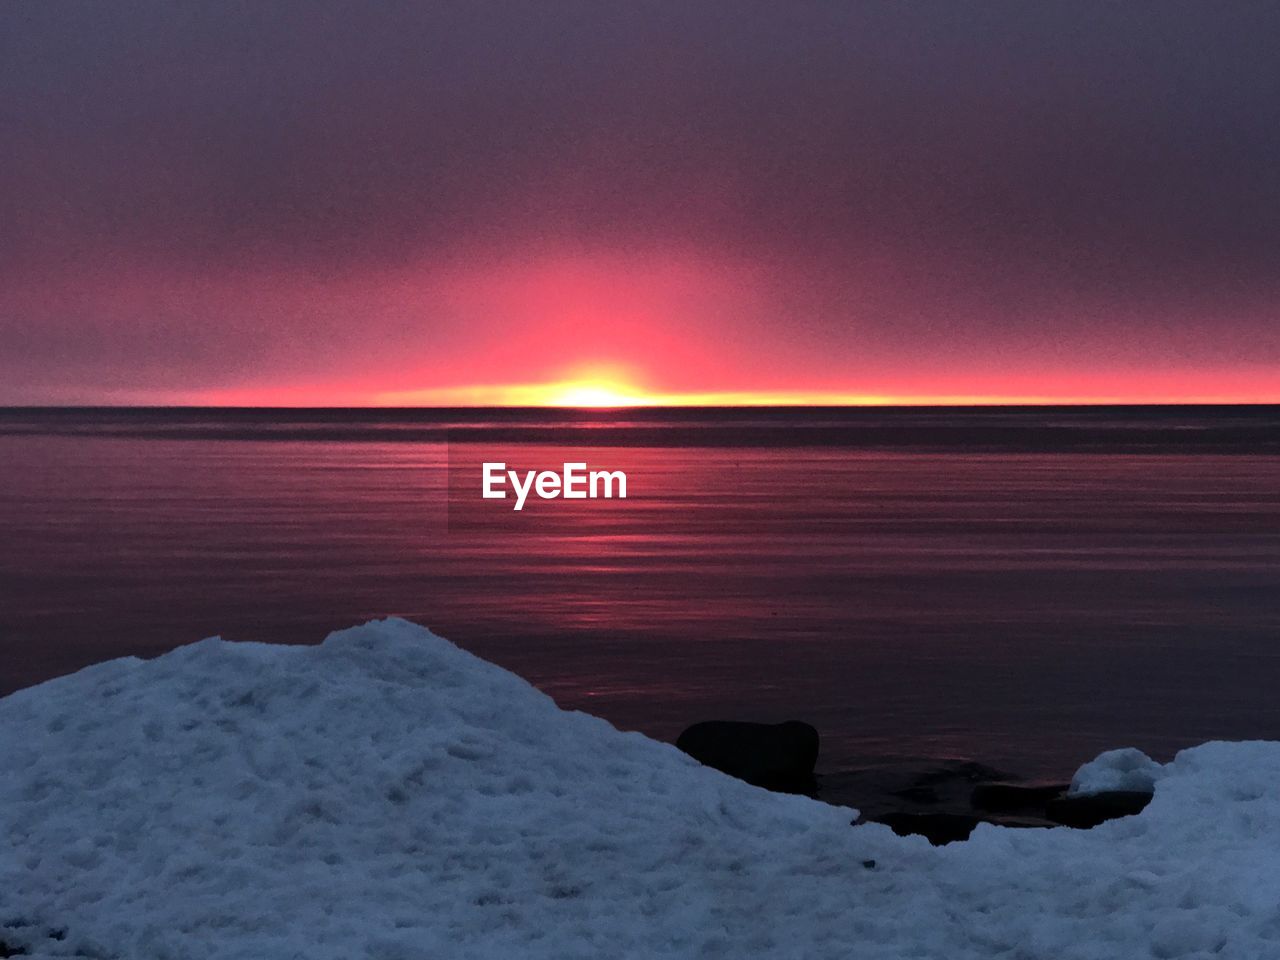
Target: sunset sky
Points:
(471, 202)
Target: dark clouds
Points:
(1065, 180)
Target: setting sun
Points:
(591, 393)
(591, 388)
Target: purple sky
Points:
(337, 202)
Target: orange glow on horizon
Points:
(605, 387)
(595, 394)
(613, 392)
(592, 395)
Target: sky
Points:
(369, 203)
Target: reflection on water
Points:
(977, 592)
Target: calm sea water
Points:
(1022, 586)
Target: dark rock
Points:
(1014, 797)
(943, 799)
(937, 828)
(869, 864)
(780, 755)
(1090, 809)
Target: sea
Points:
(1024, 586)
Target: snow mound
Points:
(1124, 769)
(385, 795)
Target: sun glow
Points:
(603, 394)
(599, 390)
(604, 387)
(578, 394)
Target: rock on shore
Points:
(774, 755)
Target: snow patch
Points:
(386, 795)
(1124, 769)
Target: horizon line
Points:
(983, 403)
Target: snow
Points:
(386, 795)
(1124, 769)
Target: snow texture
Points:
(1125, 769)
(387, 796)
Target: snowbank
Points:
(386, 795)
(1125, 769)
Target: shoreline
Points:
(386, 794)
(940, 798)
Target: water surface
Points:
(1023, 586)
